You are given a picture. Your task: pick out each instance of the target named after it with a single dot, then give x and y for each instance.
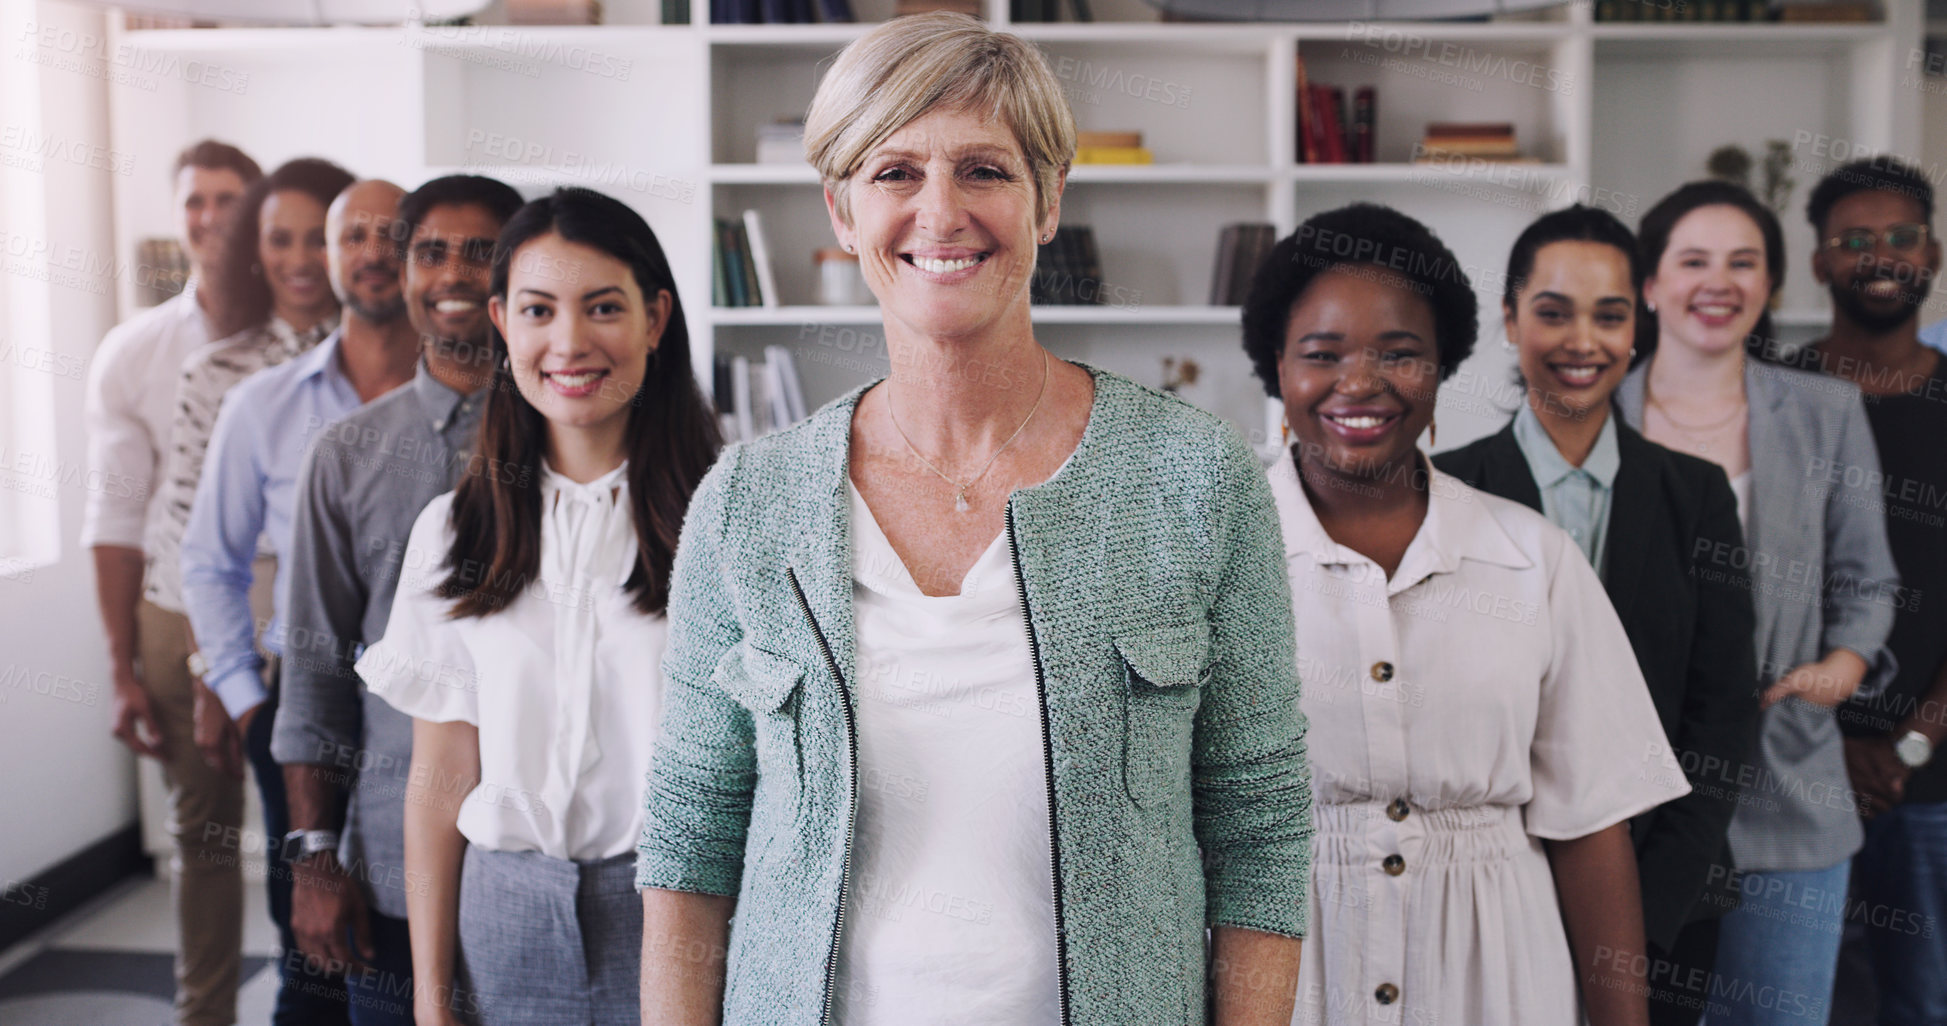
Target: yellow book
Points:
(1114, 155)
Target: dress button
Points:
(1397, 810)
(1393, 865)
(1382, 671)
(1386, 994)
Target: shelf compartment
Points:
(1530, 82)
(1409, 173)
(1693, 41)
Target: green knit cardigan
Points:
(1161, 623)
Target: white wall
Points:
(67, 783)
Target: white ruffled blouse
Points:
(564, 684)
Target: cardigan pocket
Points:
(767, 686)
(1166, 668)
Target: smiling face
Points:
(1710, 286)
(364, 260)
(1359, 372)
(449, 260)
(943, 219)
(291, 250)
(579, 332)
(1877, 286)
(203, 196)
(1573, 325)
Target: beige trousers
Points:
(206, 821)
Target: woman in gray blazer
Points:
(1802, 463)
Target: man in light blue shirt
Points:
(248, 489)
(1577, 498)
(1935, 335)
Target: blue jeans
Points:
(1778, 951)
(306, 994)
(381, 994)
(1903, 901)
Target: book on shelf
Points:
(781, 142)
(1068, 270)
(1240, 249)
(1365, 105)
(1048, 10)
(1112, 148)
(1449, 140)
(967, 7)
(789, 386)
(554, 12)
(780, 12)
(1330, 129)
(754, 399)
(740, 399)
(743, 275)
(1306, 153)
(1681, 10)
(760, 257)
(1823, 10)
(1114, 155)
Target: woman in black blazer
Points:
(1649, 519)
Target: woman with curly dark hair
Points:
(1481, 733)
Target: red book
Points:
(1331, 139)
(1364, 108)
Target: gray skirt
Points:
(546, 941)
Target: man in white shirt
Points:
(130, 404)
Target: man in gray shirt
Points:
(347, 754)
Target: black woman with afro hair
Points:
(1480, 731)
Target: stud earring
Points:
(1652, 306)
(1045, 239)
(847, 246)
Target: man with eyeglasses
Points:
(1878, 257)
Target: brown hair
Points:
(211, 155)
(238, 276)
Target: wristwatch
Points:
(199, 667)
(302, 844)
(1913, 749)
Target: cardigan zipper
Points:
(1047, 765)
(852, 787)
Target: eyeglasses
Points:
(1901, 238)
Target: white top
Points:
(952, 913)
(131, 403)
(1489, 687)
(565, 683)
(1741, 490)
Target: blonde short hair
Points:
(908, 66)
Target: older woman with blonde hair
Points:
(980, 695)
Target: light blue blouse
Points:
(1576, 499)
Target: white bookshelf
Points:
(664, 117)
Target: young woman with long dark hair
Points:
(529, 625)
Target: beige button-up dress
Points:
(1481, 701)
